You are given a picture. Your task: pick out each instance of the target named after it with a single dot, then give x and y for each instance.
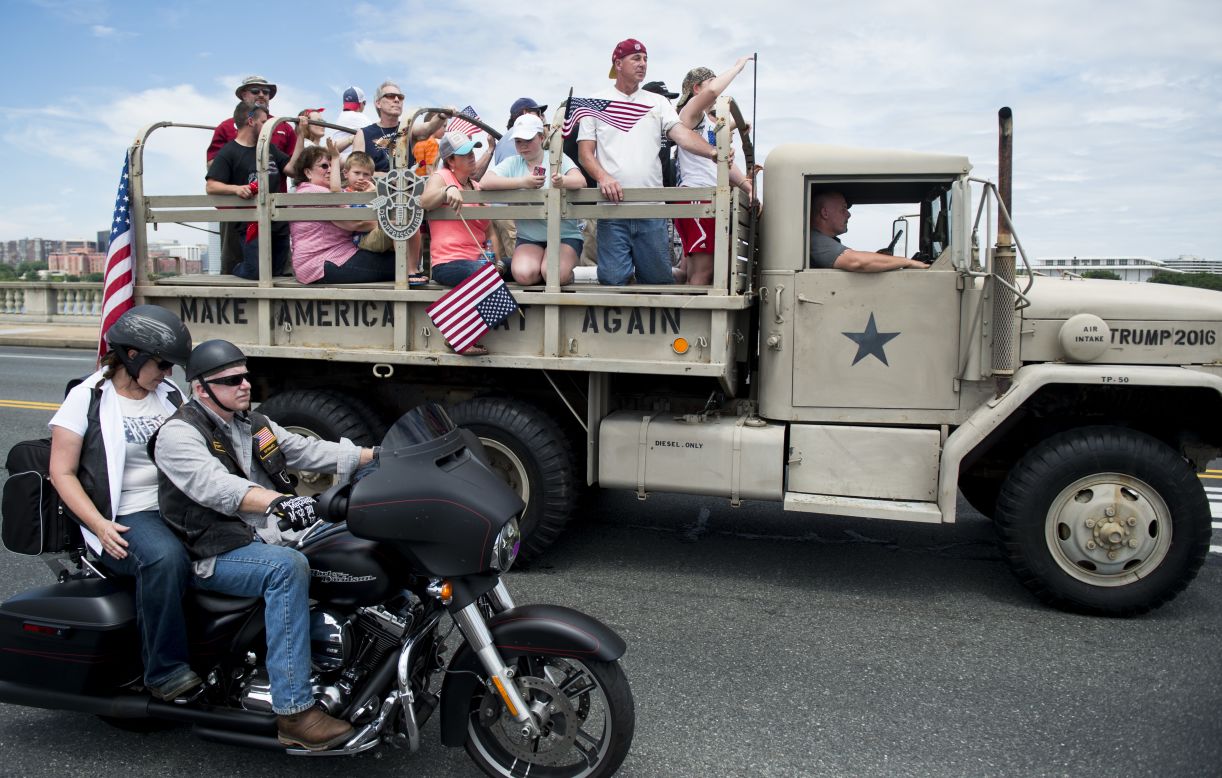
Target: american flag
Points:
(462, 125)
(119, 280)
(617, 113)
(264, 438)
(470, 309)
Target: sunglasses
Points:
(229, 380)
(324, 166)
(164, 365)
(258, 90)
(391, 96)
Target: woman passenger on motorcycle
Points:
(102, 472)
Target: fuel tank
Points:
(347, 571)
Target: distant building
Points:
(77, 262)
(1128, 268)
(1187, 263)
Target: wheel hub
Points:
(558, 724)
(1108, 529)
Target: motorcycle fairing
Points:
(527, 629)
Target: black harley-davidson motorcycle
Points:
(416, 546)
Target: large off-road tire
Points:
(1104, 520)
(320, 414)
(587, 713)
(533, 454)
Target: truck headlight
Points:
(505, 547)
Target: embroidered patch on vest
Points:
(265, 439)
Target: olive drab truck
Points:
(1075, 413)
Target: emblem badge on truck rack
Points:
(398, 204)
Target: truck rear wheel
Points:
(1104, 521)
(321, 414)
(533, 455)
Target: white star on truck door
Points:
(871, 342)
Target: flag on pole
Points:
(462, 125)
(470, 309)
(617, 113)
(119, 280)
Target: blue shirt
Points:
(535, 230)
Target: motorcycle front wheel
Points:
(586, 714)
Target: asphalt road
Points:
(766, 643)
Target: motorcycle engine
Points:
(347, 646)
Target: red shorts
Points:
(696, 234)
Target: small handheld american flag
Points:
(470, 309)
(462, 125)
(617, 113)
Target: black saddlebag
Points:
(76, 636)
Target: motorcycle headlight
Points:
(505, 547)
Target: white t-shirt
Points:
(353, 119)
(141, 418)
(698, 171)
(632, 157)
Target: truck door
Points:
(876, 340)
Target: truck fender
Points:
(1029, 380)
(527, 629)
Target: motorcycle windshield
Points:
(419, 425)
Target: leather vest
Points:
(91, 470)
(203, 531)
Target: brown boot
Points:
(312, 730)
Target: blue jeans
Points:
(157, 560)
(625, 244)
(281, 575)
(249, 267)
(456, 271)
(361, 268)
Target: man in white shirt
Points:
(619, 160)
(353, 116)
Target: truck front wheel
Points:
(1105, 521)
(532, 454)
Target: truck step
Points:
(836, 505)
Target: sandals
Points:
(417, 279)
(475, 350)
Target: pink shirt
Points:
(449, 240)
(317, 242)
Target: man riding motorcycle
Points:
(223, 473)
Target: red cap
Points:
(624, 48)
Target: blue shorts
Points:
(576, 244)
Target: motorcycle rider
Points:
(222, 486)
(103, 474)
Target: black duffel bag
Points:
(33, 520)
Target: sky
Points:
(1118, 129)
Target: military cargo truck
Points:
(1075, 413)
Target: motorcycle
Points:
(532, 689)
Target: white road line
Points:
(1215, 549)
(1215, 511)
(1216, 524)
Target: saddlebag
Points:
(77, 636)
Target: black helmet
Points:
(154, 332)
(212, 355)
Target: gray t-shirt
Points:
(824, 250)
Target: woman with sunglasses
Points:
(323, 251)
(102, 471)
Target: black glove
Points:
(293, 512)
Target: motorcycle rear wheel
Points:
(586, 710)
